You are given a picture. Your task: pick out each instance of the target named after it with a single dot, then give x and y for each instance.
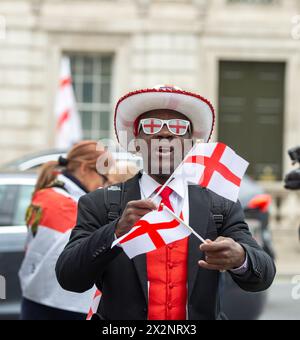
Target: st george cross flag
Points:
(68, 123)
(153, 231)
(95, 304)
(216, 167)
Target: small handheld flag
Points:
(155, 230)
(214, 166)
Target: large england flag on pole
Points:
(216, 167)
(153, 231)
(68, 123)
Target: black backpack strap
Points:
(113, 198)
(219, 209)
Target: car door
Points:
(14, 200)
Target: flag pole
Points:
(182, 222)
(172, 176)
(187, 226)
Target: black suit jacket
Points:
(88, 259)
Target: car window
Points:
(22, 202)
(8, 194)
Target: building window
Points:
(92, 77)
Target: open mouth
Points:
(164, 151)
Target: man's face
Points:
(165, 150)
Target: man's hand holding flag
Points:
(153, 231)
(211, 165)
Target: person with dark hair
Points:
(50, 219)
(178, 281)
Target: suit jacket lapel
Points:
(199, 217)
(132, 192)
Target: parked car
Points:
(15, 194)
(33, 161)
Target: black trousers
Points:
(34, 311)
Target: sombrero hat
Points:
(130, 107)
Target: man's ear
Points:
(136, 146)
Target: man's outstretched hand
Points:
(223, 254)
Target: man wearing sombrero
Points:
(179, 281)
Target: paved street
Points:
(281, 305)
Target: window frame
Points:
(96, 107)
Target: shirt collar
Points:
(149, 186)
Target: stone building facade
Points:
(120, 45)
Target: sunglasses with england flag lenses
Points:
(152, 126)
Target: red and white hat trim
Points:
(197, 108)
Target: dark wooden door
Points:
(251, 105)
